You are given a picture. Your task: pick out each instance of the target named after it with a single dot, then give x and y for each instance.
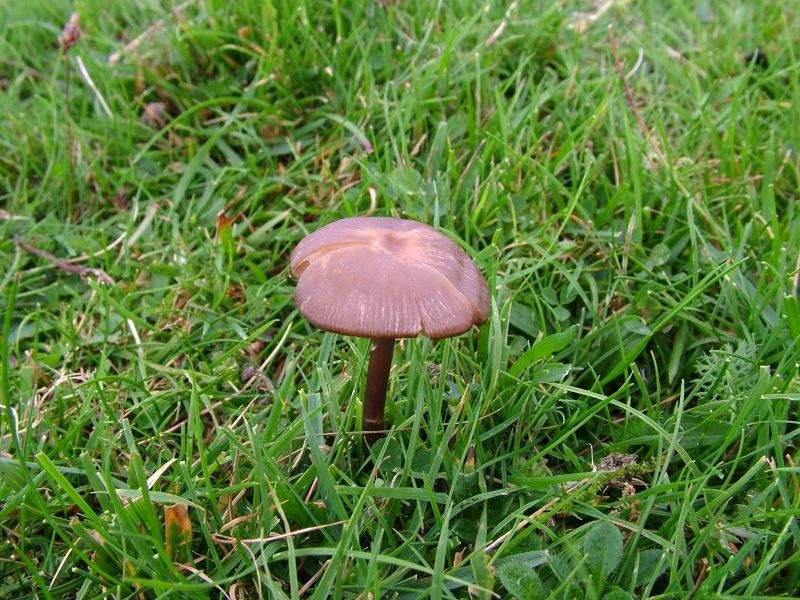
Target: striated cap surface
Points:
(387, 278)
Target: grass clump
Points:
(624, 426)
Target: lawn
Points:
(625, 175)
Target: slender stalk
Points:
(70, 144)
(69, 37)
(380, 361)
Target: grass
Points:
(625, 425)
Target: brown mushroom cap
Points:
(387, 278)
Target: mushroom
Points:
(386, 278)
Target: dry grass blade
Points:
(7, 216)
(503, 24)
(137, 41)
(177, 532)
(226, 539)
(631, 102)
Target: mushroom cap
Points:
(381, 277)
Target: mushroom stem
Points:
(380, 361)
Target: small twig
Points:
(64, 265)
